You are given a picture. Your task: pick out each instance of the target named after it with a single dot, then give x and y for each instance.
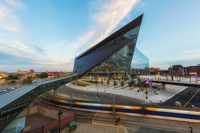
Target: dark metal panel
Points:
(136, 22)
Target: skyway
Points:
(176, 83)
(14, 102)
(17, 93)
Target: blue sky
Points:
(48, 34)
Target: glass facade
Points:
(120, 61)
(140, 63)
(114, 54)
(128, 60)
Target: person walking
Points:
(118, 120)
(191, 129)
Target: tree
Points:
(114, 83)
(122, 83)
(101, 82)
(139, 83)
(43, 75)
(12, 81)
(28, 80)
(129, 84)
(13, 77)
(108, 82)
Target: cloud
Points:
(184, 62)
(11, 62)
(15, 3)
(27, 50)
(23, 55)
(22, 49)
(105, 21)
(14, 51)
(9, 20)
(107, 17)
(9, 59)
(185, 57)
(39, 68)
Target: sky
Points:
(48, 34)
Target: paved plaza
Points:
(154, 95)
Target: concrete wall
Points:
(28, 111)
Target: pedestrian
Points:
(191, 129)
(118, 119)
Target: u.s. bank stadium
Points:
(115, 57)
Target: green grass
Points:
(79, 83)
(93, 82)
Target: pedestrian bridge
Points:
(164, 82)
(14, 102)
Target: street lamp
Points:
(59, 115)
(71, 102)
(191, 129)
(113, 100)
(97, 94)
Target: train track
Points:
(84, 115)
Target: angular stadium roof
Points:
(93, 56)
(136, 22)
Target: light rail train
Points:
(148, 112)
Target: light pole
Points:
(196, 78)
(97, 90)
(59, 115)
(97, 94)
(104, 88)
(71, 102)
(113, 105)
(191, 129)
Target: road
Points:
(189, 96)
(195, 100)
(182, 97)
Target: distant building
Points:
(176, 70)
(53, 74)
(192, 70)
(164, 72)
(154, 70)
(31, 73)
(21, 72)
(179, 70)
(3, 77)
(24, 74)
(2, 81)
